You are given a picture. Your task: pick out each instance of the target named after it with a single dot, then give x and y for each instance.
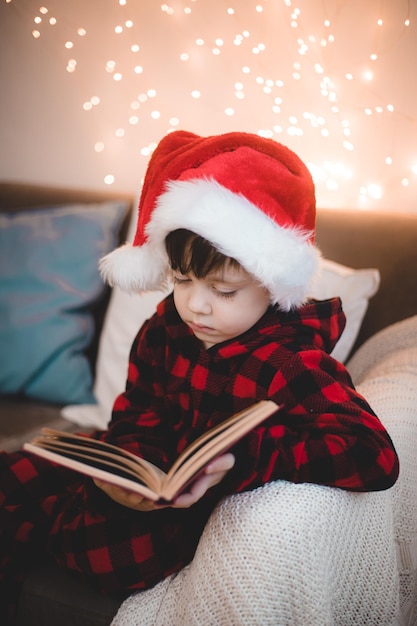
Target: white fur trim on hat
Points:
(283, 259)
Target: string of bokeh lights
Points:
(327, 173)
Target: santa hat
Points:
(251, 197)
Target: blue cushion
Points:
(49, 283)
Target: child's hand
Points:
(215, 472)
(126, 498)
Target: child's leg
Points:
(45, 508)
(30, 491)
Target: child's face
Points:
(220, 306)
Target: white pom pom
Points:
(135, 268)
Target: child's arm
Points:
(326, 433)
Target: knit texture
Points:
(387, 368)
(290, 555)
(285, 555)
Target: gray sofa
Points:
(359, 239)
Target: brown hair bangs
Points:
(190, 253)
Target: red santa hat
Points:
(251, 197)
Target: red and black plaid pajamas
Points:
(326, 433)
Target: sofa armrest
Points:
(283, 554)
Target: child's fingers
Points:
(222, 464)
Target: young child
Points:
(230, 220)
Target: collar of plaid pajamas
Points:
(251, 197)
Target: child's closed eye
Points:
(225, 294)
(180, 280)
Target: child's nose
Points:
(198, 301)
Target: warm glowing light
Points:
(310, 67)
(375, 191)
(268, 134)
(72, 65)
(332, 185)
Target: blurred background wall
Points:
(88, 87)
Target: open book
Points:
(113, 464)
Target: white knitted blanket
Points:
(385, 371)
(298, 555)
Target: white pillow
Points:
(355, 288)
(127, 313)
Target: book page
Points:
(145, 472)
(94, 472)
(63, 442)
(211, 445)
